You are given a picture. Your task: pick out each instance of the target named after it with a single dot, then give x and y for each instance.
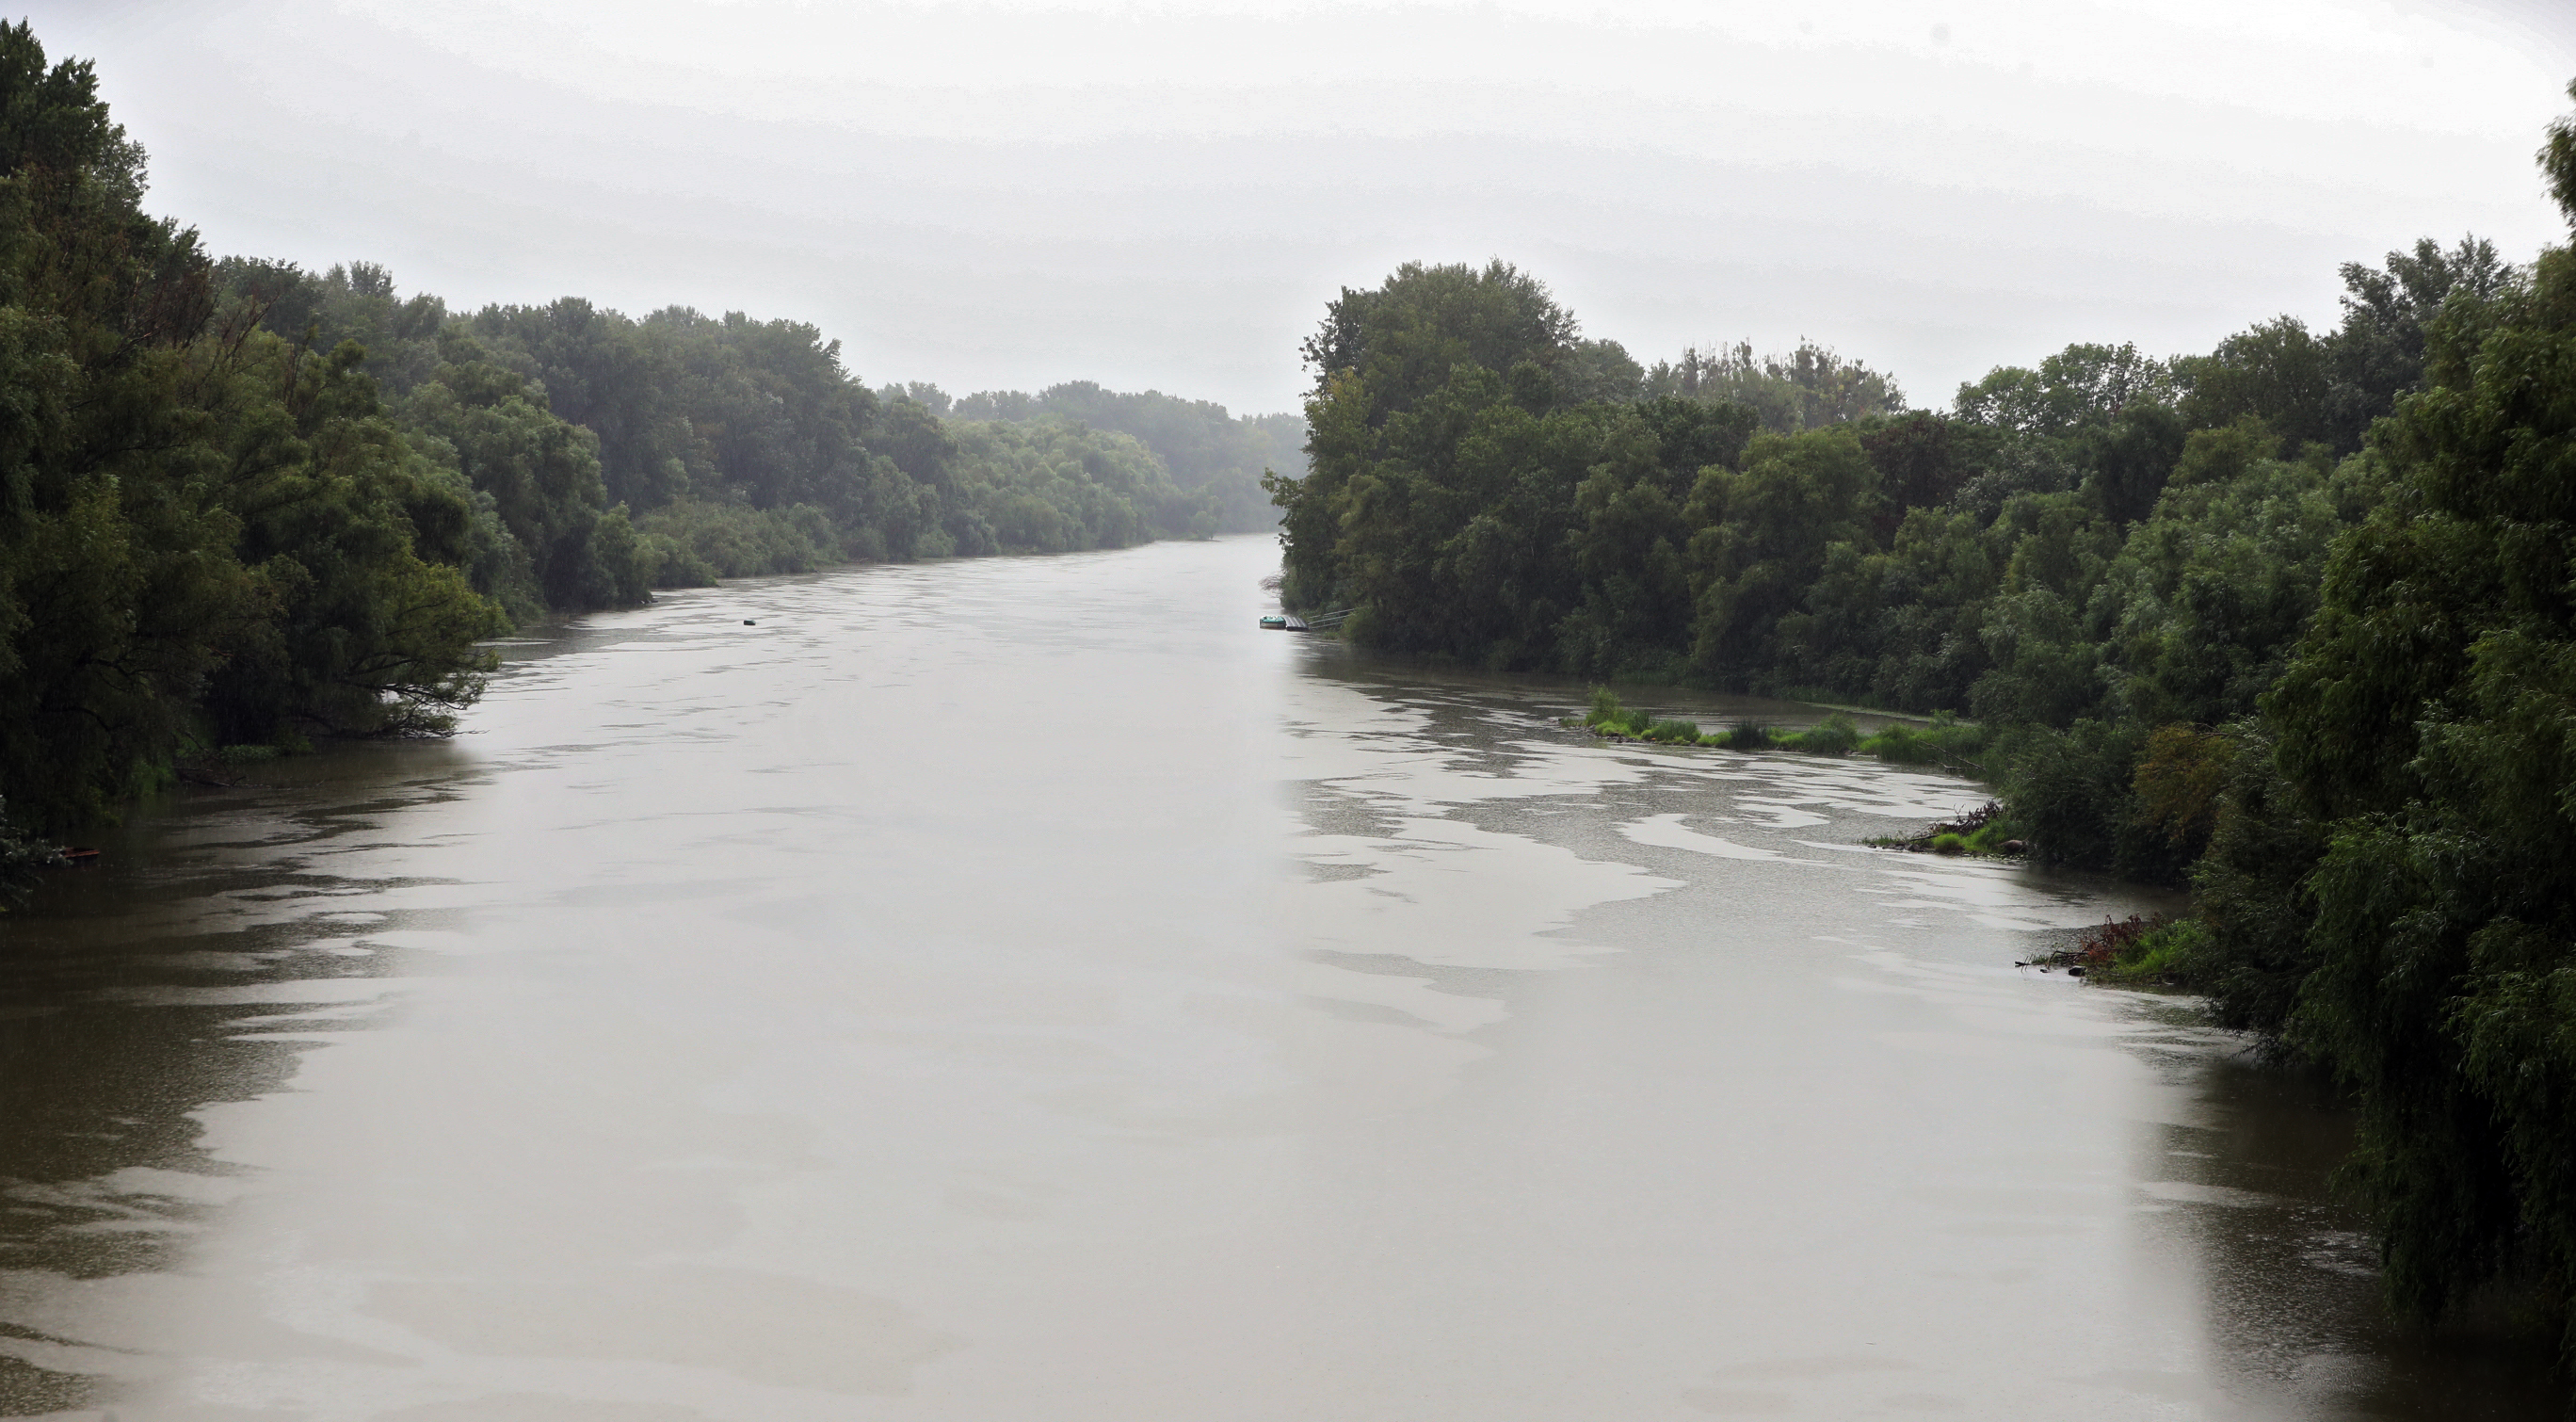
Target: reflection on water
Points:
(1017, 988)
(212, 947)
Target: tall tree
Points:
(2428, 727)
(185, 499)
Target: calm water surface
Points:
(1018, 989)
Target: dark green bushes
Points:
(1747, 735)
(1834, 735)
(2072, 790)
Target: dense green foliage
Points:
(741, 447)
(2079, 553)
(243, 504)
(2403, 905)
(206, 532)
(2294, 620)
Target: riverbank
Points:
(2156, 951)
(1943, 742)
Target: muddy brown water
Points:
(1019, 989)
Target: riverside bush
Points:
(1747, 735)
(2170, 952)
(1947, 742)
(1834, 735)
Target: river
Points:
(1019, 989)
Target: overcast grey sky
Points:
(1165, 194)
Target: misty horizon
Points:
(1010, 197)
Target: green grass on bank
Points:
(1946, 742)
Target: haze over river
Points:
(1019, 990)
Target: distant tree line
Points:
(243, 504)
(1203, 447)
(2293, 621)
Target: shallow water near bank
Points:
(1020, 989)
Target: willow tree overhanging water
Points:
(2426, 764)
